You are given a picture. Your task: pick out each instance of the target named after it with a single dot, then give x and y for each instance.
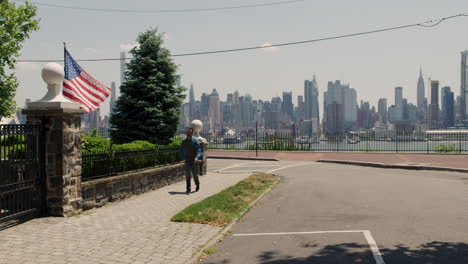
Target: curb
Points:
(240, 158)
(392, 166)
(212, 241)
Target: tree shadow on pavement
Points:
(431, 253)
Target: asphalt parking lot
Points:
(327, 213)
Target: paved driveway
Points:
(327, 213)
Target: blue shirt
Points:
(196, 149)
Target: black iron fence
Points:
(102, 132)
(21, 171)
(104, 164)
(418, 142)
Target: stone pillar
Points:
(61, 121)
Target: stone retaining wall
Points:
(98, 192)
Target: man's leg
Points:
(188, 170)
(195, 175)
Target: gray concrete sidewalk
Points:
(136, 230)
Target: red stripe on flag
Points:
(79, 91)
(83, 87)
(72, 97)
(78, 95)
(94, 83)
(77, 99)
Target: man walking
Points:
(191, 153)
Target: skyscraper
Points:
(343, 99)
(464, 85)
(113, 98)
(300, 107)
(123, 67)
(191, 102)
(236, 97)
(214, 115)
(311, 107)
(382, 110)
(287, 106)
(434, 107)
(448, 107)
(204, 107)
(191, 94)
(398, 103)
(421, 92)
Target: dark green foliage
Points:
(16, 23)
(148, 107)
(176, 142)
(100, 159)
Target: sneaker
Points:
(187, 192)
(198, 188)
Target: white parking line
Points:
(375, 249)
(289, 166)
(242, 171)
(367, 234)
(233, 166)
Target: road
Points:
(327, 213)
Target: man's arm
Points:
(182, 150)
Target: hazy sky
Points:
(372, 64)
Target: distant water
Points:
(369, 146)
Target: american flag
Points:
(81, 87)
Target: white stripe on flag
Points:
(72, 96)
(82, 94)
(93, 82)
(71, 87)
(88, 91)
(82, 79)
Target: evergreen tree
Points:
(149, 105)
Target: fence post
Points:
(62, 135)
(396, 141)
(256, 138)
(459, 143)
(427, 143)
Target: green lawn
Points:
(221, 208)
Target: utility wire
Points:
(427, 24)
(162, 10)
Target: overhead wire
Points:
(427, 24)
(162, 10)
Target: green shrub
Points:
(134, 145)
(176, 142)
(12, 140)
(446, 149)
(95, 143)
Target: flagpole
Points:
(64, 51)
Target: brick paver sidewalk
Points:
(135, 230)
(436, 160)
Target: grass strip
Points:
(227, 205)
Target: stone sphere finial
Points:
(53, 73)
(197, 125)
